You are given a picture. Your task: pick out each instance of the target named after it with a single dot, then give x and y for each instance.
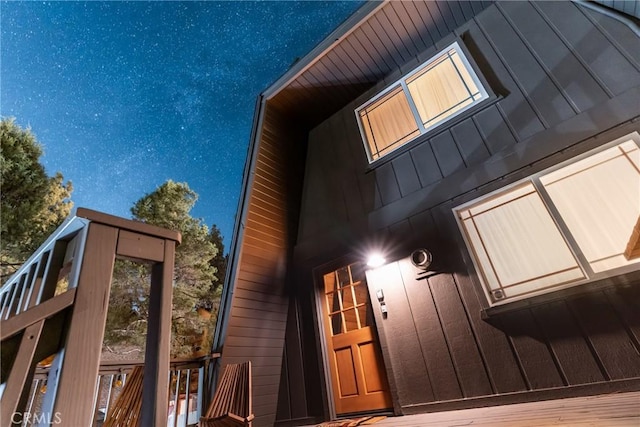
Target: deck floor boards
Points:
(611, 410)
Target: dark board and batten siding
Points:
(568, 80)
(258, 313)
(549, 73)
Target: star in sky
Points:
(125, 95)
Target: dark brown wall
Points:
(566, 79)
(553, 66)
(562, 347)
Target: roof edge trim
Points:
(618, 15)
(336, 36)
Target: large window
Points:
(564, 226)
(435, 92)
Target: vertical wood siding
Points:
(548, 71)
(563, 74)
(580, 340)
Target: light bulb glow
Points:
(375, 260)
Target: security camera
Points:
(421, 258)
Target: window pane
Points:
(350, 320)
(442, 89)
(333, 302)
(516, 238)
(347, 297)
(426, 97)
(599, 200)
(388, 122)
(336, 324)
(362, 294)
(464, 72)
(344, 278)
(366, 315)
(357, 272)
(330, 282)
(517, 242)
(543, 283)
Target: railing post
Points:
(28, 304)
(155, 389)
(187, 396)
(201, 373)
(176, 399)
(52, 387)
(16, 390)
(83, 347)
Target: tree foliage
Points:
(195, 276)
(32, 203)
(219, 262)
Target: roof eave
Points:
(343, 30)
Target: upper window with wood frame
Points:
(565, 226)
(428, 96)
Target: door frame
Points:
(318, 273)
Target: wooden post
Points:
(21, 376)
(155, 388)
(76, 388)
(69, 400)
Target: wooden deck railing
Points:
(189, 381)
(56, 305)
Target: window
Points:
(568, 225)
(347, 299)
(435, 92)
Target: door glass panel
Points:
(366, 316)
(336, 324)
(334, 302)
(357, 272)
(351, 319)
(347, 299)
(361, 293)
(344, 278)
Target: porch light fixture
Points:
(421, 258)
(375, 260)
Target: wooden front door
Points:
(357, 373)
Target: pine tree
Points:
(32, 203)
(219, 262)
(169, 206)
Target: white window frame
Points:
(583, 263)
(402, 84)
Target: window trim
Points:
(583, 263)
(401, 84)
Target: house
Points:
(488, 152)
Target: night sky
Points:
(125, 95)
